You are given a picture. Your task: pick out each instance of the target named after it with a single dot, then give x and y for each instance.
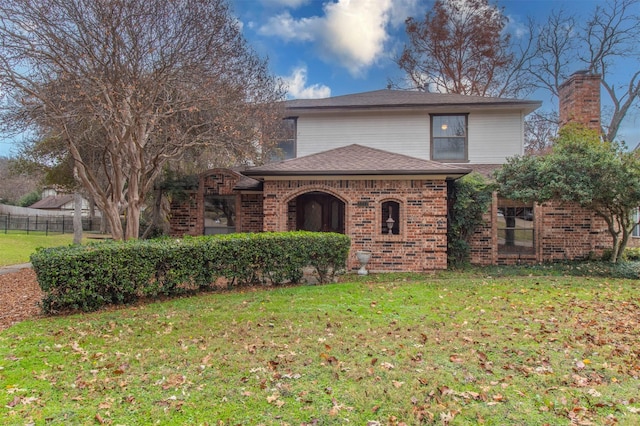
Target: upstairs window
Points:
(449, 137)
(390, 218)
(286, 145)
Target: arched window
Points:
(390, 218)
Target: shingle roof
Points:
(248, 184)
(52, 202)
(486, 170)
(408, 99)
(353, 160)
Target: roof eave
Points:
(526, 107)
(454, 173)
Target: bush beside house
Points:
(88, 277)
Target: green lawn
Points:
(17, 246)
(386, 349)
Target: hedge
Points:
(90, 276)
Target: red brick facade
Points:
(561, 232)
(580, 100)
(421, 244)
(187, 213)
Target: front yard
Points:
(385, 349)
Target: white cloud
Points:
(298, 89)
(288, 28)
(352, 33)
(284, 3)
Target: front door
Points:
(319, 212)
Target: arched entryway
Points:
(318, 212)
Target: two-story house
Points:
(378, 166)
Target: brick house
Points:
(376, 166)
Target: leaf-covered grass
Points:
(457, 348)
(17, 246)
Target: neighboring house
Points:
(55, 200)
(378, 167)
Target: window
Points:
(636, 219)
(449, 137)
(219, 214)
(391, 218)
(515, 228)
(286, 146)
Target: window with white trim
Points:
(449, 140)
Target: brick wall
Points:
(249, 218)
(484, 241)
(187, 214)
(579, 98)
(570, 232)
(563, 231)
(422, 242)
(184, 216)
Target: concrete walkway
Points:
(13, 268)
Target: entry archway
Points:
(319, 212)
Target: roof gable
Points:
(356, 160)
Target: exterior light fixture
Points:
(390, 222)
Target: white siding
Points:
(401, 133)
(493, 136)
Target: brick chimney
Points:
(580, 100)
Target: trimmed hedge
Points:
(90, 276)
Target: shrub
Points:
(632, 253)
(88, 277)
(29, 199)
(471, 197)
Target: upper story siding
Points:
(493, 136)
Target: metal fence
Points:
(46, 224)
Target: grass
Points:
(476, 347)
(17, 246)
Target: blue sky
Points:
(334, 47)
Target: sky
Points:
(324, 48)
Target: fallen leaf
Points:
(456, 358)
(14, 402)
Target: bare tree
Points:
(15, 183)
(540, 130)
(128, 85)
(462, 47)
(606, 41)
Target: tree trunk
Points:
(77, 218)
(113, 218)
(132, 230)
